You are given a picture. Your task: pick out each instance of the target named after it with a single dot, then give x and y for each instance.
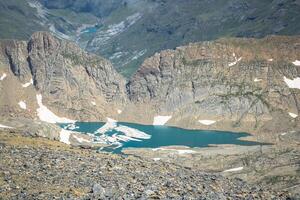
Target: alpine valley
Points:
(78, 78)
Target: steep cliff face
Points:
(231, 83)
(72, 83)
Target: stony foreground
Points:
(36, 168)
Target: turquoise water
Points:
(161, 136)
(90, 30)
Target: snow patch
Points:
(161, 120)
(292, 83)
(236, 60)
(65, 136)
(93, 103)
(156, 159)
(257, 80)
(293, 115)
(81, 140)
(207, 122)
(119, 111)
(180, 151)
(234, 169)
(22, 105)
(270, 60)
(4, 75)
(27, 84)
(296, 62)
(46, 115)
(3, 126)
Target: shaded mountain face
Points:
(71, 82)
(128, 31)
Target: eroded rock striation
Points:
(73, 83)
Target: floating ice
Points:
(132, 132)
(27, 84)
(71, 127)
(161, 120)
(207, 122)
(108, 126)
(46, 115)
(22, 105)
(234, 169)
(3, 76)
(292, 83)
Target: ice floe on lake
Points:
(292, 83)
(46, 115)
(27, 84)
(132, 132)
(108, 126)
(161, 120)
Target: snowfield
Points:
(292, 83)
(65, 136)
(207, 122)
(4, 75)
(296, 62)
(25, 85)
(293, 115)
(3, 126)
(234, 169)
(108, 126)
(161, 120)
(22, 105)
(46, 115)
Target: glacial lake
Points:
(122, 135)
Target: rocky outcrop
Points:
(72, 82)
(238, 83)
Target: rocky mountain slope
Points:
(128, 31)
(57, 73)
(247, 85)
(35, 168)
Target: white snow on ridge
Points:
(296, 62)
(161, 120)
(109, 125)
(3, 126)
(293, 115)
(22, 105)
(27, 84)
(207, 122)
(292, 83)
(65, 136)
(46, 115)
(4, 75)
(132, 132)
(234, 169)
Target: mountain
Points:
(234, 84)
(73, 83)
(128, 31)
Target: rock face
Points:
(239, 83)
(73, 83)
